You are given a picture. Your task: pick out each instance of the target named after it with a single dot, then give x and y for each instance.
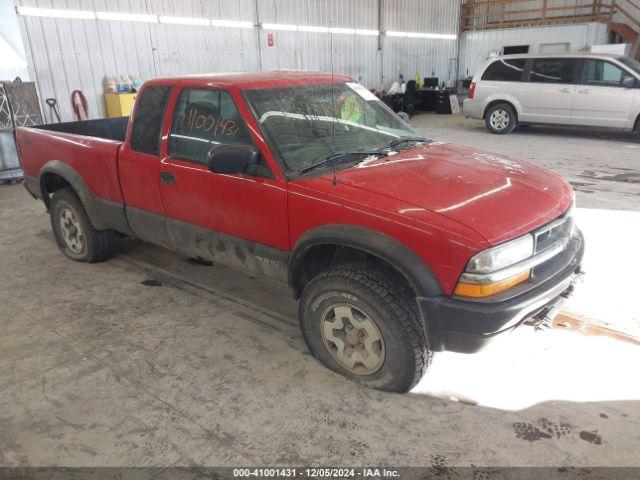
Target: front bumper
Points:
(466, 326)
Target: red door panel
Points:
(140, 180)
(243, 206)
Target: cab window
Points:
(147, 119)
(600, 72)
(203, 118)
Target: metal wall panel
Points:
(354, 55)
(477, 46)
(359, 56)
(429, 58)
(433, 16)
(65, 55)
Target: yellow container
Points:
(119, 104)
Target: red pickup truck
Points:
(395, 245)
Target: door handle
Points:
(585, 92)
(168, 178)
(565, 90)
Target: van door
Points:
(600, 99)
(548, 96)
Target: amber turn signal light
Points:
(475, 290)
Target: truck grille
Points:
(551, 236)
(557, 231)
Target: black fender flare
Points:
(76, 181)
(392, 251)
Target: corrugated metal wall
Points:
(477, 46)
(353, 55)
(66, 55)
(433, 58)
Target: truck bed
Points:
(90, 148)
(108, 128)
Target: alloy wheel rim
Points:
(352, 339)
(500, 119)
(72, 232)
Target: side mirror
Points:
(630, 82)
(232, 158)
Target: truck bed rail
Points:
(107, 128)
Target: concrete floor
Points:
(151, 360)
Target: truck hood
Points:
(498, 197)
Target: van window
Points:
(147, 119)
(204, 118)
(599, 72)
(505, 70)
(553, 70)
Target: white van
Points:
(594, 90)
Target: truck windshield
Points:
(308, 123)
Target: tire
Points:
(74, 233)
(501, 119)
(398, 359)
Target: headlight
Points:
(502, 256)
(488, 272)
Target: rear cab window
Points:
(148, 119)
(553, 70)
(505, 70)
(203, 118)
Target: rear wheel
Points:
(74, 233)
(362, 325)
(501, 118)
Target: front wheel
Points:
(362, 325)
(501, 119)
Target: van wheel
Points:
(362, 326)
(501, 118)
(74, 233)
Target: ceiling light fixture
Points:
(232, 23)
(55, 13)
(345, 31)
(435, 36)
(184, 20)
(127, 17)
(367, 32)
(309, 28)
(279, 26)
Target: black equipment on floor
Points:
(409, 98)
(430, 82)
(443, 102)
